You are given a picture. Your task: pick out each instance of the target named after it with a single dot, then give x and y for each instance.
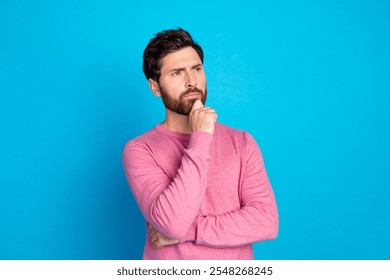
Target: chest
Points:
(223, 179)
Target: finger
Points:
(154, 235)
(197, 105)
(157, 244)
(207, 110)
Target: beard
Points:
(182, 106)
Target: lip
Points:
(192, 95)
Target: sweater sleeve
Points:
(255, 220)
(169, 205)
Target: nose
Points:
(191, 80)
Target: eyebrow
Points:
(183, 68)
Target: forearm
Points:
(173, 209)
(249, 224)
(169, 204)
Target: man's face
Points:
(182, 80)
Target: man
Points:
(201, 186)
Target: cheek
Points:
(170, 85)
(202, 78)
(175, 89)
(203, 83)
(174, 82)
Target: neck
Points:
(176, 122)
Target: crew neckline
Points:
(168, 132)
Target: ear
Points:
(154, 87)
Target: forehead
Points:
(182, 58)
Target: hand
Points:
(202, 118)
(160, 240)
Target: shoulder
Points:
(141, 142)
(225, 131)
(241, 140)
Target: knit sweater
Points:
(210, 191)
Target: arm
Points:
(256, 219)
(169, 205)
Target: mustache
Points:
(191, 90)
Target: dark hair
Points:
(163, 43)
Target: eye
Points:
(197, 69)
(176, 73)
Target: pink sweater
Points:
(209, 191)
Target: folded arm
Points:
(255, 220)
(169, 205)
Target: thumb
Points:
(197, 105)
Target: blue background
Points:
(308, 79)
